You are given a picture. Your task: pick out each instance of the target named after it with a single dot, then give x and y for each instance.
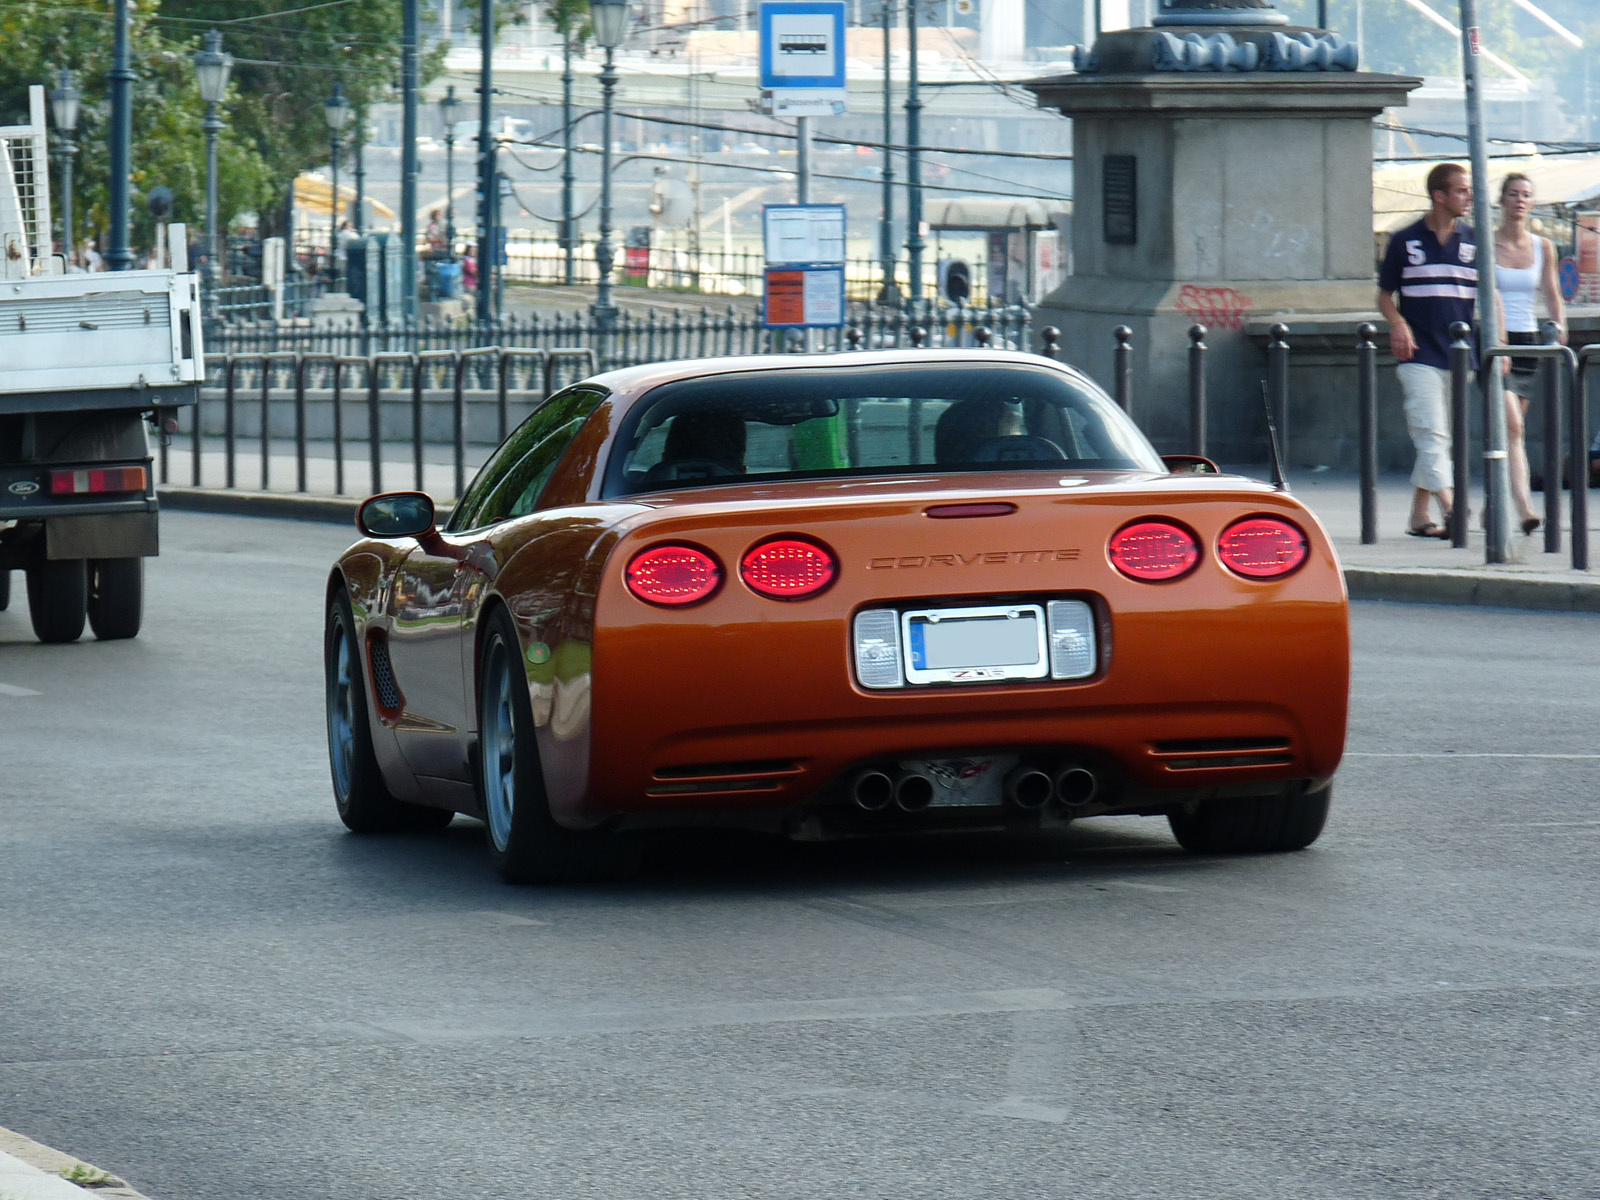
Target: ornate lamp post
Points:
(212, 68)
(64, 101)
(610, 20)
(337, 110)
(448, 108)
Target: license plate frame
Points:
(913, 644)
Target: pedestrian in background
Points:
(1525, 270)
(1428, 282)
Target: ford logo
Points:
(23, 487)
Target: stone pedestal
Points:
(335, 310)
(1223, 197)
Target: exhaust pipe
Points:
(872, 790)
(913, 791)
(1028, 787)
(1075, 786)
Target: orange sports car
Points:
(835, 596)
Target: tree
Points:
(169, 144)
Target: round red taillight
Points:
(788, 568)
(1262, 547)
(1154, 551)
(673, 575)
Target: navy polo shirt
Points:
(1434, 285)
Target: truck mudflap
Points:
(103, 535)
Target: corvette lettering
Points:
(992, 558)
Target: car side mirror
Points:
(1189, 464)
(396, 515)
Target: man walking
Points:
(1429, 281)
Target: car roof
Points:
(628, 383)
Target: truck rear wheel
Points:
(5, 588)
(58, 598)
(116, 597)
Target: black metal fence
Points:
(628, 338)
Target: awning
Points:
(313, 194)
(1399, 190)
(992, 212)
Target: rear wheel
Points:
(58, 598)
(1253, 825)
(525, 843)
(116, 597)
(363, 799)
(5, 588)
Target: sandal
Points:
(1429, 530)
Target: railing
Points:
(254, 301)
(628, 339)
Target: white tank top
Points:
(1519, 288)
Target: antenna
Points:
(1278, 480)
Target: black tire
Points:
(116, 597)
(526, 845)
(58, 599)
(362, 798)
(1253, 825)
(5, 588)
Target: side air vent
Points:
(390, 701)
(1203, 754)
(700, 779)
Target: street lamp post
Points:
(448, 107)
(337, 109)
(610, 19)
(212, 68)
(64, 101)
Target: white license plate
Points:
(975, 645)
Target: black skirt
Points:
(1524, 370)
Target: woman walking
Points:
(1524, 270)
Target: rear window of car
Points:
(820, 422)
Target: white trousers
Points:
(1427, 407)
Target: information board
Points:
(804, 298)
(803, 234)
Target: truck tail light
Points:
(1262, 547)
(788, 568)
(1154, 551)
(97, 480)
(673, 575)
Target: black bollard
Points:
(1367, 389)
(1550, 399)
(1051, 337)
(1122, 368)
(853, 336)
(1460, 381)
(1278, 386)
(981, 336)
(1197, 389)
(919, 337)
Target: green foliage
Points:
(571, 17)
(168, 142)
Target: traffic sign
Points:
(1570, 278)
(803, 57)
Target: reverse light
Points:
(97, 480)
(673, 575)
(877, 645)
(1262, 547)
(1154, 551)
(788, 568)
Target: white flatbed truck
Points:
(89, 364)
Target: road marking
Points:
(1464, 754)
(11, 689)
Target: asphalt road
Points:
(208, 986)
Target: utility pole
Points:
(409, 83)
(914, 242)
(118, 256)
(488, 201)
(1497, 548)
(361, 172)
(569, 222)
(890, 292)
(802, 175)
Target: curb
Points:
(1410, 585)
(231, 502)
(1485, 588)
(30, 1170)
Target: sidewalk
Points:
(1398, 567)
(32, 1171)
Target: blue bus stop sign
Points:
(1567, 274)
